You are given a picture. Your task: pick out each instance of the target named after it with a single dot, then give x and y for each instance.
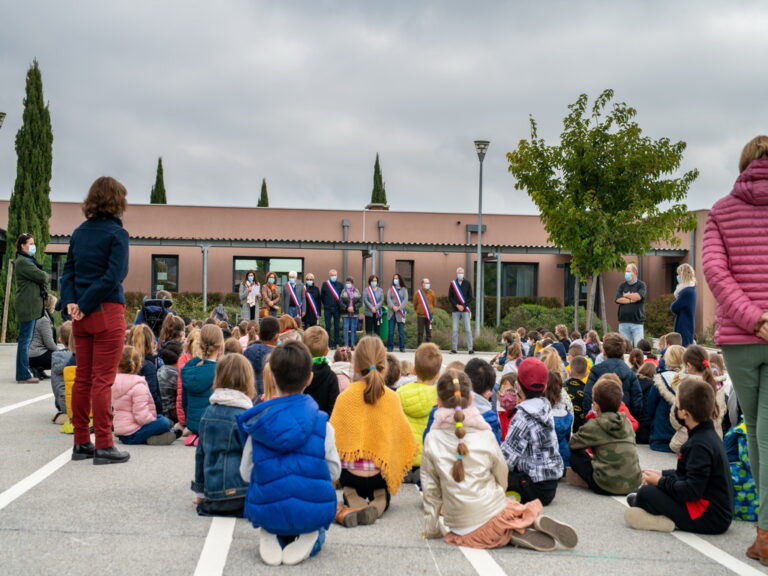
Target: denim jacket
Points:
(219, 451)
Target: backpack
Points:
(154, 312)
(746, 502)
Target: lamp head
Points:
(481, 146)
(2, 117)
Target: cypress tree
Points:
(30, 206)
(264, 198)
(379, 194)
(158, 190)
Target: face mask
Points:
(678, 279)
(460, 276)
(333, 278)
(627, 276)
(395, 281)
(292, 280)
(250, 278)
(32, 250)
(681, 421)
(348, 285)
(271, 280)
(310, 282)
(426, 286)
(374, 283)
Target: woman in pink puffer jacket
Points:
(735, 256)
(135, 418)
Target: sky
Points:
(306, 93)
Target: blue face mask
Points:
(628, 276)
(250, 278)
(348, 285)
(678, 279)
(374, 283)
(396, 282)
(426, 286)
(333, 278)
(271, 280)
(32, 250)
(310, 282)
(292, 280)
(460, 276)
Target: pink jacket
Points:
(735, 256)
(132, 404)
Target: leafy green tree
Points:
(379, 194)
(264, 198)
(30, 207)
(158, 190)
(605, 190)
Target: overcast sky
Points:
(306, 93)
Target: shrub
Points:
(507, 302)
(531, 316)
(658, 319)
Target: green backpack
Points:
(746, 501)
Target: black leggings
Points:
(364, 486)
(530, 490)
(581, 463)
(232, 507)
(657, 502)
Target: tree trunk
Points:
(591, 288)
(576, 290)
(603, 313)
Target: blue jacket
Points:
(484, 407)
(633, 394)
(96, 265)
(149, 372)
(684, 309)
(257, 354)
(217, 460)
(661, 398)
(196, 389)
(290, 491)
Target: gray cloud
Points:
(305, 93)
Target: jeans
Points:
(159, 426)
(455, 316)
(26, 332)
(99, 341)
(332, 317)
(422, 326)
(747, 366)
(350, 330)
(657, 502)
(632, 332)
(400, 334)
(293, 312)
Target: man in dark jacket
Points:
(613, 348)
(460, 297)
(331, 307)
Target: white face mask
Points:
(460, 276)
(310, 282)
(32, 250)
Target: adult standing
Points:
(460, 297)
(31, 282)
(330, 295)
(294, 299)
(92, 294)
(735, 253)
(44, 341)
(250, 295)
(397, 298)
(270, 295)
(630, 296)
(684, 305)
(350, 301)
(424, 304)
(314, 304)
(373, 305)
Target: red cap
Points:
(532, 374)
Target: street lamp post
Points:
(481, 146)
(2, 117)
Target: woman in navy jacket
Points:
(684, 305)
(92, 294)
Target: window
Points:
(569, 284)
(405, 269)
(54, 266)
(165, 273)
(280, 266)
(517, 279)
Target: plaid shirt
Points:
(531, 444)
(366, 465)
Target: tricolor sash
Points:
(460, 296)
(296, 302)
(311, 303)
(423, 300)
(333, 290)
(399, 301)
(372, 294)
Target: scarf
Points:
(472, 419)
(377, 432)
(230, 397)
(682, 285)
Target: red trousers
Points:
(99, 339)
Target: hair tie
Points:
(372, 368)
(458, 408)
(459, 424)
(705, 363)
(459, 457)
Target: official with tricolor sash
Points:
(424, 303)
(330, 293)
(460, 297)
(293, 297)
(373, 305)
(314, 304)
(397, 298)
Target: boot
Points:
(352, 499)
(351, 517)
(83, 451)
(759, 548)
(379, 501)
(110, 455)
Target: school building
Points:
(209, 248)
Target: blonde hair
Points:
(427, 361)
(406, 368)
(457, 365)
(131, 361)
(673, 357)
(191, 346)
(270, 390)
(65, 335)
(753, 150)
(234, 371)
(552, 361)
(142, 338)
(211, 341)
(316, 339)
(687, 274)
(232, 346)
(453, 389)
(370, 360)
(50, 303)
(514, 351)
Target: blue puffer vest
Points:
(290, 491)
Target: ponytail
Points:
(370, 359)
(453, 389)
(698, 357)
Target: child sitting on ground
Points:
(324, 387)
(661, 399)
(142, 338)
(513, 359)
(168, 376)
(646, 375)
(393, 372)
(562, 414)
(59, 360)
(613, 467)
(342, 367)
(697, 496)
(197, 378)
(291, 445)
(464, 477)
(574, 387)
(407, 374)
(375, 442)
(530, 447)
(418, 398)
(507, 401)
(613, 348)
(135, 418)
(220, 489)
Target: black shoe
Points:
(83, 451)
(470, 351)
(631, 499)
(453, 351)
(178, 432)
(110, 455)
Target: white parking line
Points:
(709, 550)
(6, 409)
(213, 558)
(25, 485)
(482, 562)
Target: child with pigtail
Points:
(464, 478)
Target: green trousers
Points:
(747, 366)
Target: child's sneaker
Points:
(560, 531)
(534, 540)
(67, 427)
(164, 439)
(191, 440)
(269, 548)
(572, 477)
(300, 549)
(639, 519)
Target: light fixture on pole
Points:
(2, 117)
(481, 146)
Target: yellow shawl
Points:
(377, 432)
